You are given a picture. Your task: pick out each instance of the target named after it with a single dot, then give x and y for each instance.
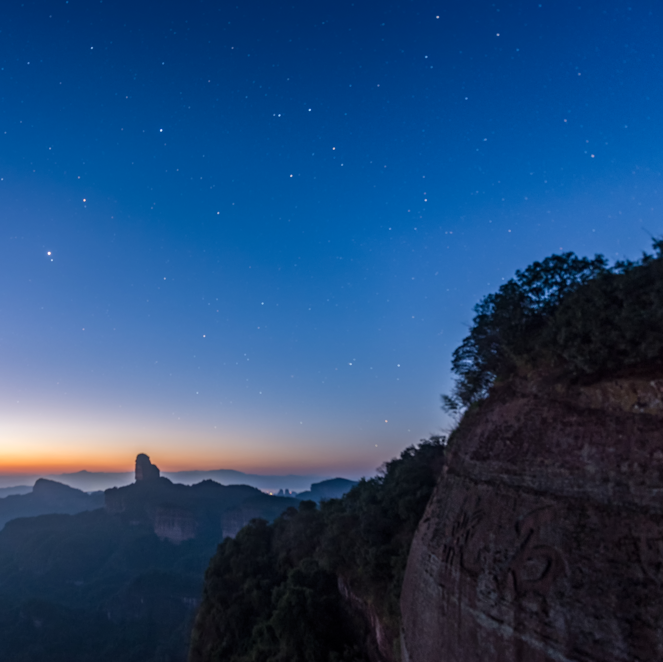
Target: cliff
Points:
(543, 540)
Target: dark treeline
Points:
(577, 316)
(272, 593)
(88, 588)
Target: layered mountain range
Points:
(120, 576)
(48, 496)
(91, 481)
(183, 512)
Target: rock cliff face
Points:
(175, 524)
(543, 540)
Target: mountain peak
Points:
(50, 488)
(145, 470)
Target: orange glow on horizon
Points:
(169, 462)
(23, 466)
(48, 447)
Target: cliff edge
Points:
(543, 541)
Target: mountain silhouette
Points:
(48, 496)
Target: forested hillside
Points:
(274, 592)
(86, 587)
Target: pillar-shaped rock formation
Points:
(145, 470)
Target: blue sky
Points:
(250, 235)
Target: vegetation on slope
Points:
(88, 588)
(575, 314)
(272, 593)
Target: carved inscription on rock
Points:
(535, 565)
(461, 545)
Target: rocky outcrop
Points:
(543, 541)
(145, 470)
(182, 512)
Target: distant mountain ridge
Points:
(179, 512)
(334, 488)
(120, 582)
(90, 481)
(273, 483)
(14, 489)
(48, 497)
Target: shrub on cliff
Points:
(614, 322)
(566, 311)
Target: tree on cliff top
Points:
(566, 311)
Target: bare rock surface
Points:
(543, 540)
(175, 524)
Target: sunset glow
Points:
(255, 243)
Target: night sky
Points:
(250, 235)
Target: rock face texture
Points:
(543, 540)
(175, 524)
